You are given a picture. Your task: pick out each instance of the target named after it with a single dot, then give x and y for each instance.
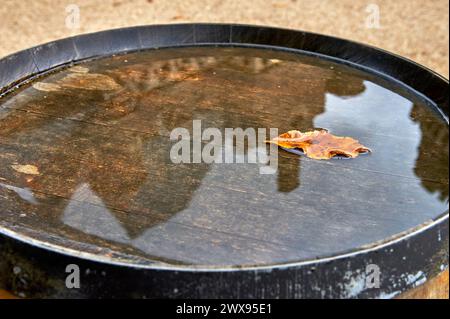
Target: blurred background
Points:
(416, 29)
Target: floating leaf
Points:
(320, 144)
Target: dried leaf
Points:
(26, 169)
(320, 144)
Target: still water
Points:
(85, 164)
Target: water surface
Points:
(99, 136)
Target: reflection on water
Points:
(106, 180)
(93, 218)
(426, 165)
(24, 193)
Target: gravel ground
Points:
(412, 28)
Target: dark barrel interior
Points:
(85, 159)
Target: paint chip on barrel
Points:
(26, 169)
(46, 87)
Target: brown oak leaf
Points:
(320, 144)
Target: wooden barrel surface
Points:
(89, 179)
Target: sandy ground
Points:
(413, 28)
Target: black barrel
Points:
(386, 247)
